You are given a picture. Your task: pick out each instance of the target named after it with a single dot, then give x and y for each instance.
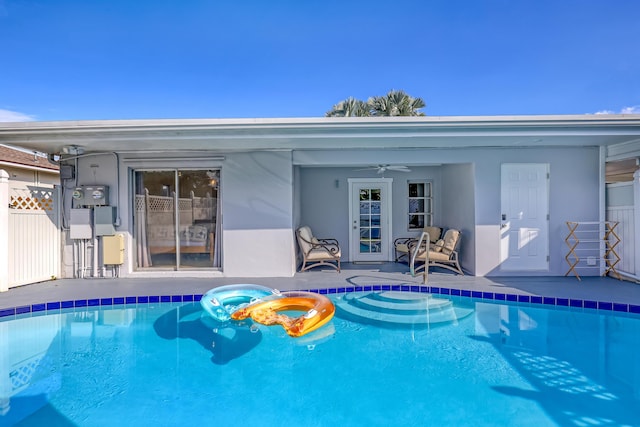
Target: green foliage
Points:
(394, 103)
(350, 107)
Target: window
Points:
(420, 204)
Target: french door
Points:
(369, 219)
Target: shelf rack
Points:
(585, 240)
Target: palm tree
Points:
(350, 107)
(394, 103)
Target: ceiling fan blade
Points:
(383, 168)
(399, 168)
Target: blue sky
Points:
(129, 59)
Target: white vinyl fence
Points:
(34, 235)
(620, 208)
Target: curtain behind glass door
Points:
(155, 219)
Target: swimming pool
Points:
(475, 363)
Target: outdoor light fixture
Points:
(73, 150)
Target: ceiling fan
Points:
(384, 168)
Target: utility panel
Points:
(91, 195)
(113, 250)
(67, 172)
(104, 218)
(80, 224)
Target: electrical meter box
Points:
(91, 195)
(113, 249)
(80, 225)
(104, 218)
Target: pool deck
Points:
(614, 294)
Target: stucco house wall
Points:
(277, 174)
(458, 201)
(325, 199)
(263, 203)
(256, 195)
(574, 195)
(257, 208)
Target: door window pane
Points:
(196, 218)
(370, 212)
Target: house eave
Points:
(27, 167)
(325, 133)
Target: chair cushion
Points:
(304, 233)
(402, 247)
(321, 254)
(421, 255)
(437, 246)
(434, 233)
(450, 241)
(438, 256)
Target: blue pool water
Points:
(471, 363)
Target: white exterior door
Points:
(524, 244)
(370, 219)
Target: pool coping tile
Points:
(42, 308)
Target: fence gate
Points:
(621, 208)
(34, 234)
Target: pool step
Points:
(399, 309)
(399, 304)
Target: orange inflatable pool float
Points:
(319, 310)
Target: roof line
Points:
(312, 122)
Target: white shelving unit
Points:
(592, 246)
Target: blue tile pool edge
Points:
(58, 306)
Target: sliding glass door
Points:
(176, 219)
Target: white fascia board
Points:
(324, 123)
(310, 133)
(27, 167)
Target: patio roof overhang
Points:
(323, 133)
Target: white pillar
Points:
(4, 231)
(602, 214)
